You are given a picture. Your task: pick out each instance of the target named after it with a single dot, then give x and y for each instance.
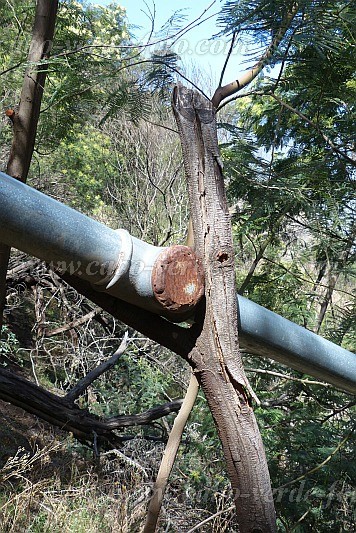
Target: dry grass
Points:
(55, 489)
(43, 492)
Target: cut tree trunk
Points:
(215, 357)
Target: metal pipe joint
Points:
(166, 281)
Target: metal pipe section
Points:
(264, 333)
(166, 281)
(111, 260)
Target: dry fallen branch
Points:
(84, 383)
(64, 413)
(74, 324)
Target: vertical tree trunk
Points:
(216, 358)
(25, 119)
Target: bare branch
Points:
(196, 22)
(210, 518)
(84, 383)
(116, 422)
(68, 416)
(74, 324)
(238, 96)
(338, 411)
(170, 335)
(232, 44)
(11, 68)
(169, 456)
(285, 376)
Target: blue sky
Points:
(195, 47)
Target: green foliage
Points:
(89, 154)
(321, 24)
(128, 100)
(161, 72)
(9, 343)
(290, 176)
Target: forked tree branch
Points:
(246, 78)
(64, 413)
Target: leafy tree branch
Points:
(245, 79)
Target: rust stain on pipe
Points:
(178, 279)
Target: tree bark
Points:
(25, 118)
(65, 414)
(215, 357)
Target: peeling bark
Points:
(215, 357)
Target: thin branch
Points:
(338, 411)
(327, 232)
(315, 126)
(238, 96)
(74, 324)
(255, 262)
(174, 337)
(151, 16)
(127, 460)
(117, 422)
(173, 69)
(68, 416)
(285, 56)
(161, 126)
(232, 44)
(11, 68)
(285, 376)
(84, 383)
(301, 278)
(319, 466)
(169, 456)
(210, 518)
(196, 22)
(177, 35)
(300, 520)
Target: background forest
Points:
(107, 146)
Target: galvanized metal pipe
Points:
(111, 260)
(155, 279)
(267, 334)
